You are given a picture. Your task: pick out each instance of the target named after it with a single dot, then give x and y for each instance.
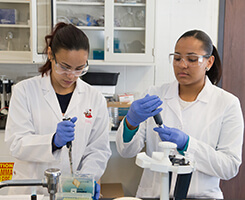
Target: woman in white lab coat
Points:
(204, 121)
(35, 132)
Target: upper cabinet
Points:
(23, 26)
(15, 31)
(119, 31)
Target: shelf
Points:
(130, 4)
(98, 28)
(14, 1)
(14, 26)
(80, 3)
(15, 56)
(119, 63)
(129, 28)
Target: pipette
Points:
(69, 146)
(158, 120)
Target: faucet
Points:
(51, 182)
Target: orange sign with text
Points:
(6, 170)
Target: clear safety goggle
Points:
(61, 69)
(190, 60)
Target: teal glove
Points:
(173, 135)
(143, 108)
(64, 132)
(96, 191)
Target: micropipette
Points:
(69, 146)
(158, 120)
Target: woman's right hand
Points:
(143, 108)
(64, 132)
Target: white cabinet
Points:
(23, 26)
(41, 26)
(15, 31)
(119, 31)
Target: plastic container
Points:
(78, 186)
(96, 78)
(98, 54)
(77, 196)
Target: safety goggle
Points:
(190, 60)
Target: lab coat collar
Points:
(204, 95)
(172, 96)
(50, 95)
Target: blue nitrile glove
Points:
(96, 191)
(143, 108)
(64, 132)
(172, 135)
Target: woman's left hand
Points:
(172, 135)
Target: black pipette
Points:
(69, 146)
(158, 120)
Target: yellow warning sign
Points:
(6, 170)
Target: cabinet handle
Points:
(108, 43)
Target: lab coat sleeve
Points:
(225, 159)
(132, 148)
(20, 136)
(97, 152)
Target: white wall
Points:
(173, 17)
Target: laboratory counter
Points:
(41, 197)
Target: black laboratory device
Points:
(68, 144)
(158, 119)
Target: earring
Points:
(206, 68)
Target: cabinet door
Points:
(15, 33)
(87, 15)
(130, 31)
(120, 31)
(41, 26)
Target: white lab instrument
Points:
(160, 162)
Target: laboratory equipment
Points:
(158, 120)
(50, 182)
(76, 186)
(160, 162)
(5, 93)
(69, 146)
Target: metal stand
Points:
(51, 182)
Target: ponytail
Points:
(215, 72)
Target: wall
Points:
(233, 79)
(173, 17)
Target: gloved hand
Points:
(172, 135)
(96, 191)
(143, 108)
(64, 132)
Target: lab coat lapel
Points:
(50, 96)
(171, 98)
(76, 96)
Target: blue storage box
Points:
(8, 16)
(98, 54)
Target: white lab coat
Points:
(32, 121)
(214, 123)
